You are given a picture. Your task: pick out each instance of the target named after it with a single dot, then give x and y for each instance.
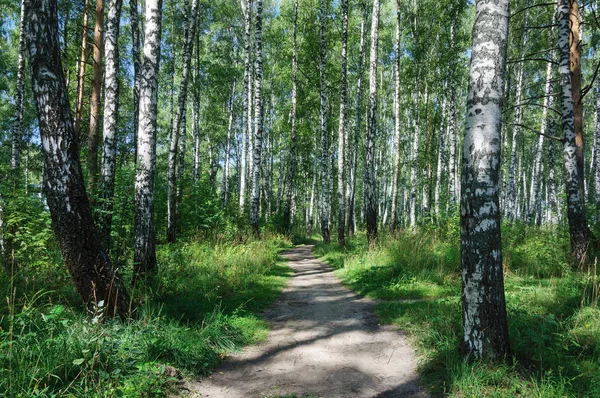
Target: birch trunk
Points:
(534, 212)
(287, 221)
(396, 157)
(578, 229)
(552, 198)
(81, 69)
(325, 199)
(484, 307)
(196, 118)
(178, 126)
(342, 128)
(137, 67)
(351, 185)
(95, 100)
(596, 168)
(17, 133)
(97, 282)
(452, 169)
(575, 68)
(440, 164)
(370, 181)
(511, 193)
(228, 147)
(246, 112)
(111, 114)
(258, 115)
(144, 258)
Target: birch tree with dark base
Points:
(483, 302)
(144, 256)
(111, 112)
(96, 281)
(578, 229)
(370, 182)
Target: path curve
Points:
(324, 340)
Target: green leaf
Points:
(78, 361)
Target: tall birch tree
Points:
(258, 121)
(578, 229)
(483, 302)
(178, 126)
(325, 199)
(343, 126)
(111, 113)
(95, 279)
(144, 257)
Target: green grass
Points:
(554, 319)
(202, 307)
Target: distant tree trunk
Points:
(396, 158)
(313, 187)
(552, 198)
(17, 133)
(196, 118)
(414, 162)
(144, 258)
(534, 212)
(370, 180)
(97, 282)
(440, 163)
(343, 125)
(351, 188)
(575, 68)
(95, 101)
(258, 115)
(596, 168)
(511, 193)
(228, 147)
(137, 67)
(188, 48)
(578, 229)
(325, 199)
(452, 169)
(287, 222)
(111, 114)
(81, 69)
(246, 111)
(484, 307)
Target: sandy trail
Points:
(324, 341)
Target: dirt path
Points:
(324, 341)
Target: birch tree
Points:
(95, 279)
(396, 175)
(81, 69)
(137, 67)
(325, 199)
(176, 131)
(578, 229)
(17, 132)
(111, 113)
(246, 113)
(483, 302)
(292, 155)
(258, 121)
(144, 257)
(343, 126)
(95, 99)
(370, 181)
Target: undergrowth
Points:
(201, 307)
(553, 313)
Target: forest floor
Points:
(324, 341)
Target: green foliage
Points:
(201, 308)
(554, 319)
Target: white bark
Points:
(145, 239)
(325, 199)
(258, 115)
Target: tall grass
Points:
(202, 307)
(553, 312)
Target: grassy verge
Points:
(554, 318)
(202, 307)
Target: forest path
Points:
(324, 341)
